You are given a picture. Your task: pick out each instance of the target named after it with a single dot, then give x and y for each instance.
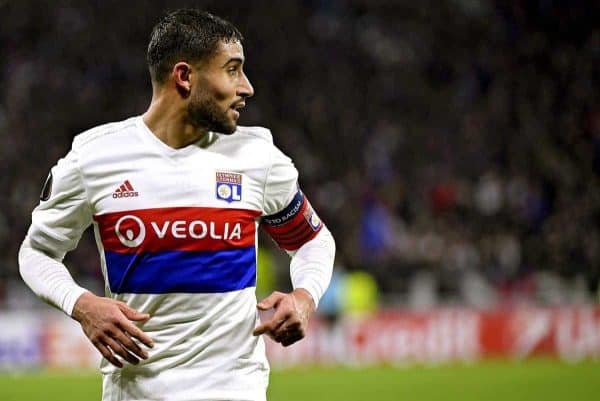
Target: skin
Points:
(200, 97)
(196, 98)
(290, 318)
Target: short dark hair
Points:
(186, 35)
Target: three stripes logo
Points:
(125, 191)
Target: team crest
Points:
(229, 186)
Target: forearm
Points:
(48, 278)
(312, 265)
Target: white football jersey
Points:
(176, 231)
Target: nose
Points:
(245, 88)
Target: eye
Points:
(233, 71)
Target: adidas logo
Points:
(125, 191)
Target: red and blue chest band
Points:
(295, 225)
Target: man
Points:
(175, 197)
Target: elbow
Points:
(329, 242)
(24, 254)
(29, 258)
(24, 251)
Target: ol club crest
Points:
(229, 186)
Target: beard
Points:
(204, 112)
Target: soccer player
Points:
(175, 197)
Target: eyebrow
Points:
(234, 59)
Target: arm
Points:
(105, 321)
(48, 278)
(310, 270)
(293, 224)
(57, 225)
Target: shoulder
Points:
(255, 133)
(262, 137)
(101, 133)
(248, 143)
(254, 146)
(259, 133)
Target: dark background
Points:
(452, 147)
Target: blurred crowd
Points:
(452, 147)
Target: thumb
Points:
(270, 302)
(133, 314)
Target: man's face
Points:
(220, 90)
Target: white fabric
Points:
(57, 224)
(281, 183)
(48, 278)
(312, 264)
(204, 348)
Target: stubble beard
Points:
(204, 113)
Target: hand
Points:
(107, 323)
(290, 320)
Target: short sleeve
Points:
(63, 213)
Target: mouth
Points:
(236, 107)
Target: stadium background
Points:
(452, 147)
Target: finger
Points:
(291, 325)
(136, 332)
(291, 340)
(271, 301)
(281, 335)
(133, 314)
(272, 324)
(267, 327)
(118, 349)
(261, 329)
(280, 338)
(292, 328)
(108, 355)
(130, 345)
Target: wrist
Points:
(304, 296)
(308, 289)
(80, 305)
(71, 297)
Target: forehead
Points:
(227, 51)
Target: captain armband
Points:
(295, 225)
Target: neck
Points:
(169, 124)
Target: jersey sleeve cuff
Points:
(71, 299)
(312, 289)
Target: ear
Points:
(181, 76)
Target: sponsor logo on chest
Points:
(131, 230)
(229, 186)
(177, 229)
